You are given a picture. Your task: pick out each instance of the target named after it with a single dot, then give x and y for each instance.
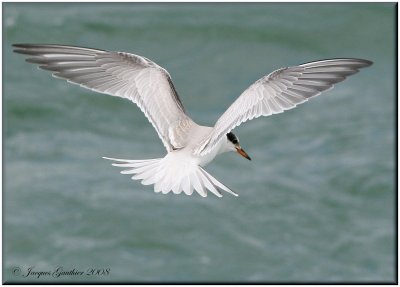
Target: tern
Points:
(190, 147)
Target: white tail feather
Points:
(167, 175)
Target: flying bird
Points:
(189, 146)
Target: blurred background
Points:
(316, 204)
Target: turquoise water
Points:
(317, 203)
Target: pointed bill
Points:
(242, 153)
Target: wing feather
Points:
(281, 90)
(119, 74)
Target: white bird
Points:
(190, 146)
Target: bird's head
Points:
(233, 145)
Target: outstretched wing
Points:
(281, 90)
(123, 75)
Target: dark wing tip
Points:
(368, 63)
(25, 48)
(363, 62)
(30, 49)
(21, 45)
(355, 62)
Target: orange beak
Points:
(242, 153)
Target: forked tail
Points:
(177, 178)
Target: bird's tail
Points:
(177, 178)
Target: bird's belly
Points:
(181, 157)
(185, 156)
(206, 159)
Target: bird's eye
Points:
(232, 138)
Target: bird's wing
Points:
(123, 75)
(281, 90)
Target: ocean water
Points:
(317, 202)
